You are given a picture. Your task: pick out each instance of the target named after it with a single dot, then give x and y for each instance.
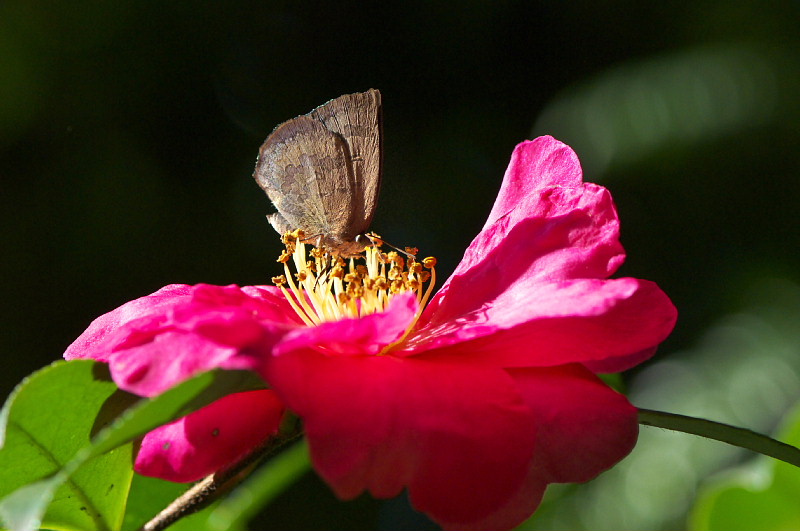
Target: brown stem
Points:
(212, 487)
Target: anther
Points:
(358, 286)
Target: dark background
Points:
(129, 132)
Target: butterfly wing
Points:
(358, 119)
(305, 170)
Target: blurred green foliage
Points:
(760, 496)
(129, 130)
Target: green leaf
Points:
(49, 418)
(147, 497)
(70, 425)
(762, 496)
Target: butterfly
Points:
(322, 172)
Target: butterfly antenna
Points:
(377, 241)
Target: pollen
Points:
(322, 286)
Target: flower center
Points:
(327, 287)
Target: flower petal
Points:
(556, 234)
(458, 436)
(535, 164)
(555, 324)
(171, 357)
(516, 509)
(92, 343)
(263, 303)
(156, 342)
(620, 363)
(363, 335)
(209, 439)
(584, 426)
(182, 303)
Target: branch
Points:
(211, 488)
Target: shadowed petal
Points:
(620, 363)
(458, 436)
(516, 509)
(584, 427)
(210, 438)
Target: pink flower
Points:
(474, 403)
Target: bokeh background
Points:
(129, 131)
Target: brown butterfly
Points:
(322, 171)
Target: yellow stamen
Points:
(321, 286)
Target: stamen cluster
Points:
(327, 287)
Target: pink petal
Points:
(263, 303)
(554, 324)
(515, 510)
(535, 164)
(181, 303)
(584, 426)
(170, 358)
(211, 438)
(92, 343)
(156, 342)
(620, 363)
(364, 335)
(574, 235)
(457, 436)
